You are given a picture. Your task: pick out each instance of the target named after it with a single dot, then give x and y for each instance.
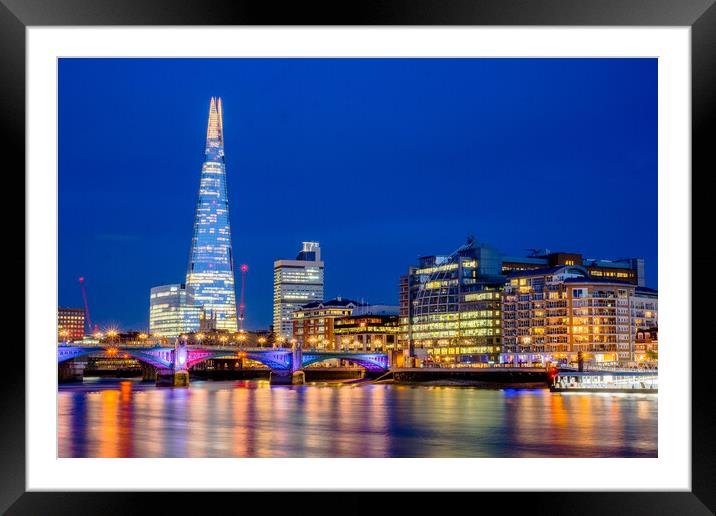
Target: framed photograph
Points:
(418, 247)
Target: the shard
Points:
(210, 275)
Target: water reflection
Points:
(253, 419)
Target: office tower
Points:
(450, 307)
(296, 283)
(210, 275)
(172, 311)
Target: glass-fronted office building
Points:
(210, 275)
(172, 311)
(450, 307)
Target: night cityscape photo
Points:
(362, 258)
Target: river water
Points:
(111, 418)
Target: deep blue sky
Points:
(381, 160)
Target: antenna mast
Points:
(242, 306)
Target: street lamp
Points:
(262, 341)
(281, 341)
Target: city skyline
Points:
(501, 214)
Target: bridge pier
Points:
(171, 378)
(181, 378)
(149, 372)
(71, 370)
(287, 378)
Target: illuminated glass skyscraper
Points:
(210, 275)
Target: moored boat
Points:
(606, 381)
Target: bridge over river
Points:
(171, 365)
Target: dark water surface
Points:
(111, 418)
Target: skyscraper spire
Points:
(215, 127)
(210, 275)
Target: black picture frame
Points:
(700, 15)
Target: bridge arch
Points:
(371, 362)
(279, 360)
(160, 358)
(152, 360)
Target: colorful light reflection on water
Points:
(253, 419)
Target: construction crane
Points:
(244, 268)
(87, 312)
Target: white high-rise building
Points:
(295, 283)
